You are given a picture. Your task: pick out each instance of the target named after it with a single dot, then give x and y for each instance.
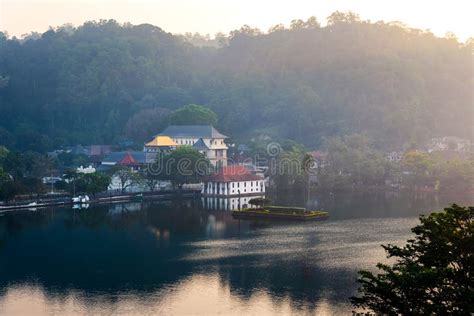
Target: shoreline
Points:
(125, 197)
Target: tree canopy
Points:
(351, 160)
(99, 82)
(193, 114)
(90, 183)
(433, 273)
(183, 165)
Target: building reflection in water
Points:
(120, 259)
(159, 233)
(227, 204)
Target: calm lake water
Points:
(185, 258)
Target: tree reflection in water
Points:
(178, 257)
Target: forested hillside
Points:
(98, 82)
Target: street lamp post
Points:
(238, 191)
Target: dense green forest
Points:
(103, 82)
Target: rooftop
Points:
(117, 156)
(160, 141)
(128, 160)
(233, 173)
(200, 145)
(197, 131)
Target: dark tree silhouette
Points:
(433, 274)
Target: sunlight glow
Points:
(19, 17)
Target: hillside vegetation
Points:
(97, 82)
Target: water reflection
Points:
(180, 257)
(119, 209)
(226, 204)
(198, 294)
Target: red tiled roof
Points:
(233, 173)
(128, 160)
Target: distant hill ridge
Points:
(83, 85)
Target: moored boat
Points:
(80, 199)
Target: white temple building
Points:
(234, 180)
(204, 138)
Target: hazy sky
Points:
(18, 17)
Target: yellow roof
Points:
(161, 141)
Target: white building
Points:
(449, 143)
(395, 156)
(159, 144)
(86, 170)
(234, 180)
(204, 138)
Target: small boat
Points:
(81, 199)
(32, 207)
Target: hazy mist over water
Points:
(178, 258)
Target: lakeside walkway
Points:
(104, 198)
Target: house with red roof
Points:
(128, 161)
(233, 180)
(132, 159)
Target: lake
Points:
(189, 257)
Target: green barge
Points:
(279, 213)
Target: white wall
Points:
(217, 143)
(185, 140)
(226, 204)
(232, 188)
